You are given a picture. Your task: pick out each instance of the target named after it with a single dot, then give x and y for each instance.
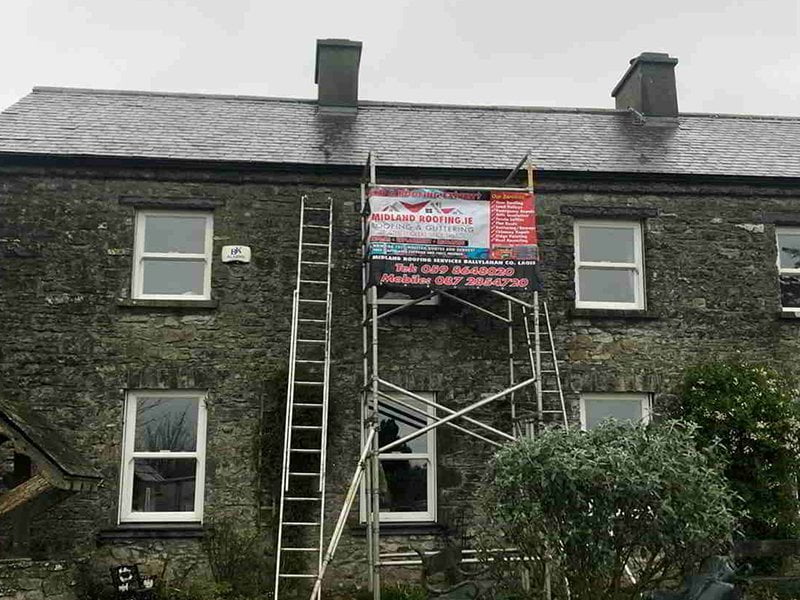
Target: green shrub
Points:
(752, 413)
(592, 507)
(239, 561)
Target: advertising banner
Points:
(443, 239)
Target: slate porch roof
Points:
(47, 439)
(105, 123)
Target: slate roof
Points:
(47, 439)
(103, 123)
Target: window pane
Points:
(789, 250)
(607, 285)
(174, 234)
(607, 244)
(166, 424)
(404, 485)
(790, 291)
(621, 409)
(164, 485)
(398, 422)
(175, 277)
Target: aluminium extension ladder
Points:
(551, 409)
(302, 499)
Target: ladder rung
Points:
(313, 262)
(305, 360)
(315, 244)
(316, 383)
(551, 391)
(303, 474)
(308, 404)
(305, 450)
(301, 499)
(297, 575)
(301, 523)
(312, 320)
(307, 427)
(313, 281)
(317, 226)
(553, 412)
(313, 301)
(316, 208)
(310, 341)
(300, 549)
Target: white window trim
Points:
(428, 516)
(137, 281)
(643, 397)
(784, 270)
(637, 265)
(126, 514)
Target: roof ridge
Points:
(419, 105)
(494, 107)
(388, 103)
(110, 92)
(743, 116)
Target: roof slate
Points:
(103, 123)
(46, 438)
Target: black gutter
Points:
(233, 168)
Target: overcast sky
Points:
(736, 56)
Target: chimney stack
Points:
(337, 75)
(648, 86)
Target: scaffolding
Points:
(542, 363)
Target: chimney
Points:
(337, 75)
(648, 87)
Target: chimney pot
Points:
(648, 86)
(336, 75)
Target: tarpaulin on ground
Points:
(449, 238)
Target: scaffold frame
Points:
(376, 387)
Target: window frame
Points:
(139, 254)
(428, 516)
(637, 266)
(785, 271)
(126, 512)
(645, 399)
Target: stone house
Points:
(694, 219)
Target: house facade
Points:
(666, 239)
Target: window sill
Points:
(789, 315)
(396, 528)
(607, 313)
(160, 531)
(182, 304)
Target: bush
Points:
(238, 564)
(238, 559)
(751, 412)
(594, 507)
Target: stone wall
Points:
(22, 579)
(72, 344)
